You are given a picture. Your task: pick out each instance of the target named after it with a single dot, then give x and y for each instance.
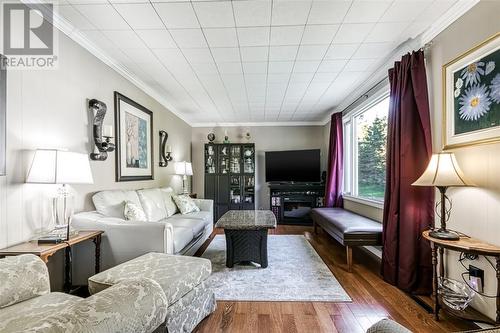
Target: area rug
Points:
(295, 273)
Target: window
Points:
(365, 136)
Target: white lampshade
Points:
(443, 171)
(51, 166)
(183, 168)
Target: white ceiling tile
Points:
(226, 54)
(99, 39)
(140, 16)
(324, 77)
(124, 39)
(373, 50)
(128, 1)
(290, 12)
(319, 34)
(252, 13)
(352, 33)
(435, 10)
(326, 12)
(103, 16)
(301, 78)
(305, 66)
(278, 78)
(140, 55)
(86, 2)
(177, 15)
(286, 35)
(201, 55)
(341, 51)
(256, 81)
(331, 66)
(214, 14)
(311, 52)
(386, 32)
(254, 36)
(256, 53)
(255, 67)
(366, 11)
(189, 38)
(404, 11)
(230, 67)
(280, 66)
(75, 18)
(282, 53)
(157, 39)
(357, 65)
(169, 56)
(221, 37)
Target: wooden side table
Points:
(44, 251)
(465, 245)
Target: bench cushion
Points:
(347, 227)
(176, 274)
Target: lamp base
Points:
(444, 234)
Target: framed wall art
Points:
(3, 116)
(471, 96)
(134, 140)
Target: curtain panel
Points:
(408, 210)
(335, 171)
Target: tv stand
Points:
(291, 203)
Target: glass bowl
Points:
(455, 294)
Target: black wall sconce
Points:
(102, 141)
(165, 150)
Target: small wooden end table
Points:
(465, 245)
(246, 235)
(44, 251)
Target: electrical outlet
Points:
(476, 277)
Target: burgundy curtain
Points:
(408, 210)
(335, 172)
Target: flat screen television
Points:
(293, 166)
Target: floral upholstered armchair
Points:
(27, 305)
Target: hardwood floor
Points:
(372, 300)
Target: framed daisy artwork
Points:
(471, 96)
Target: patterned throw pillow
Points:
(185, 204)
(133, 212)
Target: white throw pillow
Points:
(170, 205)
(133, 212)
(185, 204)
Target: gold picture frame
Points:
(465, 125)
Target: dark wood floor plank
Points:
(372, 299)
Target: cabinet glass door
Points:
(210, 159)
(248, 159)
(224, 159)
(235, 164)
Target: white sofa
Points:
(167, 231)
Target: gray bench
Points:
(348, 228)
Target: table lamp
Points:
(443, 172)
(184, 169)
(51, 166)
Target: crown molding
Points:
(69, 30)
(261, 124)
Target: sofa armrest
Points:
(137, 305)
(22, 277)
(206, 205)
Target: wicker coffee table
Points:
(246, 235)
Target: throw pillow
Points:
(185, 204)
(170, 206)
(133, 212)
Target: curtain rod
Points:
(365, 96)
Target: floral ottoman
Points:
(182, 279)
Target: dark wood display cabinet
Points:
(230, 176)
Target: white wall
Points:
(48, 109)
(266, 138)
(476, 211)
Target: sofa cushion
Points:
(185, 204)
(197, 226)
(201, 215)
(153, 204)
(23, 316)
(170, 205)
(176, 274)
(111, 203)
(22, 277)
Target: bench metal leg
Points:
(349, 258)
